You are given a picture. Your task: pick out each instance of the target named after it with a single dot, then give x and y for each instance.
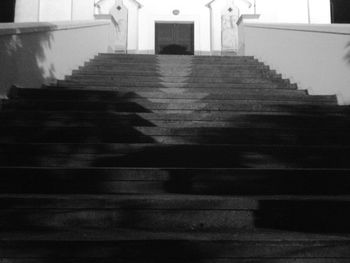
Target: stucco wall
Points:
(83, 9)
(162, 11)
(316, 57)
(27, 11)
(141, 31)
(35, 53)
(53, 10)
(294, 11)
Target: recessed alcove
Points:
(174, 38)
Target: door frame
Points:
(175, 22)
(148, 34)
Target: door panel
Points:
(174, 38)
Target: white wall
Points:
(320, 11)
(35, 53)
(133, 25)
(53, 10)
(162, 11)
(141, 32)
(316, 57)
(83, 9)
(27, 11)
(293, 11)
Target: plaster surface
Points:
(37, 53)
(317, 58)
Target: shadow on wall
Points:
(23, 58)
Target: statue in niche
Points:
(229, 27)
(120, 15)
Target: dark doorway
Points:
(340, 11)
(175, 39)
(7, 11)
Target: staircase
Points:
(155, 159)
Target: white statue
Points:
(229, 20)
(120, 15)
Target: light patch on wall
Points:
(13, 45)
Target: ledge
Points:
(242, 18)
(335, 29)
(137, 3)
(27, 28)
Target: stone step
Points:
(134, 121)
(173, 57)
(43, 119)
(166, 214)
(179, 135)
(169, 85)
(179, 58)
(138, 246)
(169, 75)
(171, 71)
(202, 189)
(176, 61)
(58, 93)
(148, 79)
(159, 260)
(176, 69)
(170, 105)
(84, 154)
(169, 201)
(175, 65)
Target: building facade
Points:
(193, 27)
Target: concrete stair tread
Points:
(134, 122)
(226, 182)
(146, 56)
(177, 163)
(156, 81)
(130, 147)
(168, 85)
(154, 202)
(155, 130)
(165, 62)
(147, 106)
(167, 156)
(118, 90)
(72, 235)
(189, 137)
(205, 77)
(191, 116)
(171, 72)
(184, 100)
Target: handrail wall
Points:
(32, 54)
(316, 57)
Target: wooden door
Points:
(172, 38)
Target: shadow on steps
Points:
(304, 216)
(92, 146)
